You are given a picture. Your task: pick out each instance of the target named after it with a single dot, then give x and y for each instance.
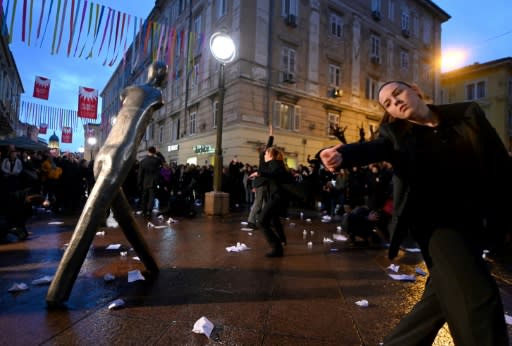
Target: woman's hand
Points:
(331, 158)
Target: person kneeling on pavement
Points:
(362, 225)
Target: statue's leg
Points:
(83, 235)
(124, 216)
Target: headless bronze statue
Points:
(113, 162)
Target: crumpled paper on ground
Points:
(43, 281)
(111, 222)
(402, 277)
(363, 303)
(339, 237)
(116, 304)
(237, 248)
(113, 247)
(18, 287)
(203, 326)
(135, 275)
(393, 267)
(508, 319)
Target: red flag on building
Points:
(87, 102)
(42, 128)
(41, 88)
(67, 134)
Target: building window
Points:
(336, 25)
(427, 31)
(215, 111)
(374, 46)
(288, 62)
(195, 75)
(175, 128)
(391, 10)
(404, 20)
(372, 88)
(404, 60)
(416, 25)
(332, 122)
(334, 75)
(161, 130)
(476, 90)
(286, 116)
(192, 123)
(376, 5)
(289, 7)
(222, 8)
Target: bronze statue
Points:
(113, 162)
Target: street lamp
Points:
(223, 50)
(92, 142)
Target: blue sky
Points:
(483, 32)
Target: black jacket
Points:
(469, 123)
(259, 180)
(149, 172)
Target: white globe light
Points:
(92, 140)
(222, 47)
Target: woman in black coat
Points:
(437, 154)
(276, 174)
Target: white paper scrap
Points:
(135, 275)
(43, 281)
(420, 271)
(100, 233)
(394, 268)
(171, 220)
(113, 247)
(245, 223)
(402, 277)
(237, 248)
(308, 220)
(18, 287)
(109, 277)
(111, 222)
(116, 304)
(159, 227)
(328, 240)
(136, 258)
(150, 225)
(339, 237)
(203, 326)
(412, 249)
(55, 222)
(363, 303)
(508, 319)
(247, 229)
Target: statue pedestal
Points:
(216, 203)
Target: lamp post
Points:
(223, 50)
(92, 142)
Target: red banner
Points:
(41, 88)
(42, 128)
(67, 134)
(87, 103)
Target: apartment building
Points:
(11, 88)
(490, 85)
(300, 66)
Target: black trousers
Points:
(270, 217)
(460, 291)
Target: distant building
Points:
(300, 65)
(490, 85)
(11, 87)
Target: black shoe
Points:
(252, 225)
(275, 253)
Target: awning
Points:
(24, 143)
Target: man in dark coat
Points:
(446, 160)
(148, 180)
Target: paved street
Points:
(308, 297)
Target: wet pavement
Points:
(307, 297)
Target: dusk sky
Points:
(483, 31)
